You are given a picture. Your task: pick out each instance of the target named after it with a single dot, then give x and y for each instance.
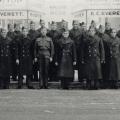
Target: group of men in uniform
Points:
(55, 54)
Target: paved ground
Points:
(59, 105)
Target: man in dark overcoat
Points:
(114, 59)
(108, 28)
(15, 39)
(76, 36)
(14, 50)
(33, 36)
(65, 59)
(5, 60)
(93, 56)
(25, 59)
(54, 35)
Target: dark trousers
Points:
(35, 71)
(4, 82)
(52, 72)
(65, 82)
(43, 71)
(113, 84)
(28, 80)
(15, 68)
(93, 84)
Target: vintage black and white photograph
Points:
(59, 59)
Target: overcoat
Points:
(114, 47)
(5, 57)
(25, 55)
(105, 66)
(66, 55)
(93, 54)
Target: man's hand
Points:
(51, 59)
(35, 59)
(56, 63)
(83, 62)
(102, 61)
(74, 63)
(17, 61)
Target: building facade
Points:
(18, 11)
(99, 11)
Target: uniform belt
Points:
(43, 50)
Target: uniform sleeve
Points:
(81, 48)
(52, 49)
(74, 52)
(57, 51)
(102, 51)
(35, 49)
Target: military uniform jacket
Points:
(32, 34)
(92, 54)
(93, 49)
(75, 35)
(118, 33)
(54, 35)
(5, 57)
(25, 55)
(105, 66)
(44, 46)
(15, 41)
(114, 58)
(11, 34)
(66, 55)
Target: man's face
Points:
(54, 26)
(76, 25)
(84, 27)
(32, 26)
(93, 24)
(113, 33)
(42, 23)
(25, 31)
(92, 32)
(65, 34)
(108, 26)
(4, 33)
(11, 27)
(44, 32)
(17, 28)
(64, 25)
(102, 30)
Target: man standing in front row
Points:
(44, 51)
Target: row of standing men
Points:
(95, 53)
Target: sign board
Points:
(103, 13)
(13, 14)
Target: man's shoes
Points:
(19, 87)
(31, 87)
